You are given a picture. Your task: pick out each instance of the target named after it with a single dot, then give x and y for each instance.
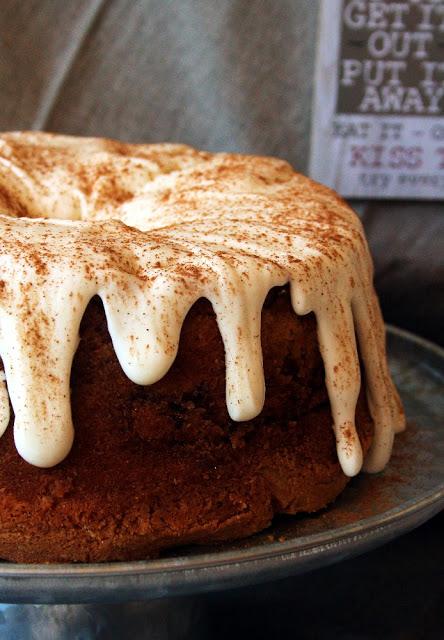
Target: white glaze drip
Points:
(222, 227)
(4, 404)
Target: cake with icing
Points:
(190, 344)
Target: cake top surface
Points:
(152, 228)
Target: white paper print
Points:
(378, 118)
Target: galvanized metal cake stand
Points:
(371, 511)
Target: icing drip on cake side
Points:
(154, 229)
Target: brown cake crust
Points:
(159, 466)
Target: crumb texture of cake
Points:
(163, 465)
(179, 333)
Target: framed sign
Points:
(378, 117)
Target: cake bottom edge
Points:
(193, 498)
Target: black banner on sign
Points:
(392, 58)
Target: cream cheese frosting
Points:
(151, 229)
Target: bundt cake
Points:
(177, 338)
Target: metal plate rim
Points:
(359, 529)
